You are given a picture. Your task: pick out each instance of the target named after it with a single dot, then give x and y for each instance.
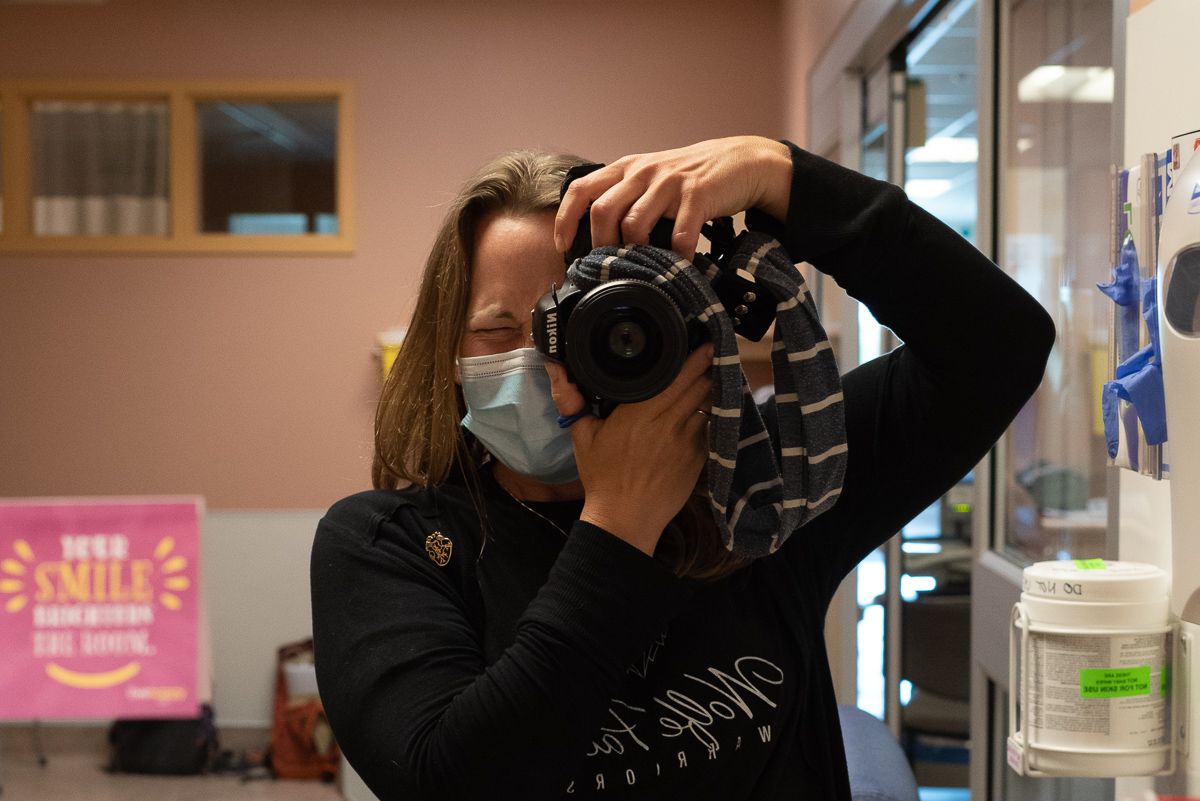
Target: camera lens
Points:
(628, 341)
(625, 342)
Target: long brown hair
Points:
(418, 438)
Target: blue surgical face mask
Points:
(510, 410)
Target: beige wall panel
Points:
(243, 553)
(809, 27)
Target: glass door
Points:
(1050, 120)
(1055, 190)
(939, 161)
(918, 130)
(943, 152)
(872, 588)
(881, 149)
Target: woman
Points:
(503, 629)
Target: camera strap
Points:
(757, 499)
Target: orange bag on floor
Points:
(302, 746)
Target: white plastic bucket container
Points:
(1094, 685)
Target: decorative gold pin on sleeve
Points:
(438, 548)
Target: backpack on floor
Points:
(178, 746)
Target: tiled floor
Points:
(79, 777)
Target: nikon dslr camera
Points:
(625, 340)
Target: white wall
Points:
(1161, 101)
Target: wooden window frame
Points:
(17, 98)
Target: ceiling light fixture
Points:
(927, 188)
(946, 149)
(1054, 83)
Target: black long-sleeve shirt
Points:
(565, 662)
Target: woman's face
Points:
(514, 265)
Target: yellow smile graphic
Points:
(92, 681)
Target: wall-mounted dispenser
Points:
(1179, 333)
(1095, 663)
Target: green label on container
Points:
(1090, 564)
(1114, 683)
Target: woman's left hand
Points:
(691, 185)
(639, 466)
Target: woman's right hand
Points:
(690, 185)
(640, 464)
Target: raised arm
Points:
(919, 418)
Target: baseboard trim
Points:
(23, 740)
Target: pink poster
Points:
(98, 614)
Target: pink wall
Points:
(250, 380)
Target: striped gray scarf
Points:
(755, 508)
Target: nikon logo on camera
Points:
(552, 333)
